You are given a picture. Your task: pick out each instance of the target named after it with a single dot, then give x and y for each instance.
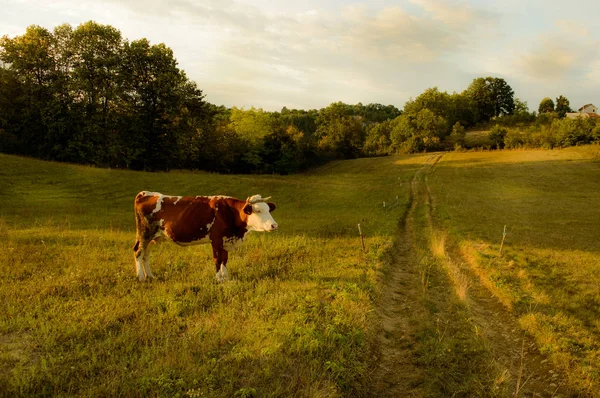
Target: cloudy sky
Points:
(308, 53)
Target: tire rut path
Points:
(526, 372)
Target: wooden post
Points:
(503, 237)
(362, 239)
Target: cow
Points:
(222, 221)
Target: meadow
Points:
(548, 275)
(296, 319)
(307, 313)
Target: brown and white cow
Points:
(222, 221)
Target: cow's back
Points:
(181, 219)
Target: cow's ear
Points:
(272, 207)
(248, 209)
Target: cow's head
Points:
(259, 214)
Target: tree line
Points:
(87, 95)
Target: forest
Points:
(87, 95)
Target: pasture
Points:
(296, 320)
(306, 313)
(549, 273)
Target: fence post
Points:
(503, 237)
(362, 240)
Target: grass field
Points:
(549, 273)
(305, 313)
(295, 321)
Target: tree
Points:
(155, 92)
(521, 106)
(562, 106)
(492, 96)
(546, 105)
(458, 134)
(85, 95)
(436, 101)
(417, 133)
(377, 141)
(252, 124)
(343, 137)
(31, 64)
(339, 131)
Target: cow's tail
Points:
(138, 222)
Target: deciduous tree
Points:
(562, 106)
(546, 105)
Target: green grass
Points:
(549, 275)
(296, 320)
(478, 139)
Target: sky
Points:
(307, 54)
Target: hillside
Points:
(294, 320)
(431, 308)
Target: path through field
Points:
(421, 313)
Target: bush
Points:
(496, 135)
(514, 139)
(458, 134)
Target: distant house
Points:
(588, 110)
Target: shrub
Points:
(496, 135)
(514, 139)
(458, 134)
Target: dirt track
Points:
(514, 367)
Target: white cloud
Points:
(309, 54)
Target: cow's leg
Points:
(147, 270)
(218, 258)
(224, 257)
(141, 256)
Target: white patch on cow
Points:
(233, 243)
(147, 266)
(178, 199)
(217, 197)
(160, 235)
(261, 219)
(139, 267)
(222, 275)
(209, 226)
(158, 203)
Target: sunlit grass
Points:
(296, 319)
(549, 274)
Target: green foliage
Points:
(514, 139)
(546, 105)
(417, 133)
(492, 96)
(452, 107)
(521, 106)
(343, 137)
(458, 134)
(562, 106)
(253, 124)
(91, 97)
(377, 141)
(497, 135)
